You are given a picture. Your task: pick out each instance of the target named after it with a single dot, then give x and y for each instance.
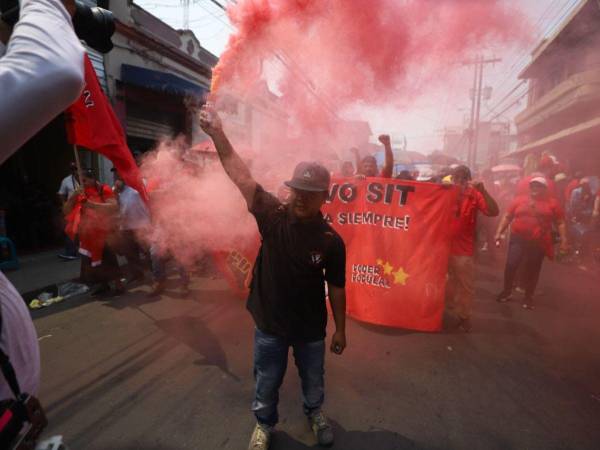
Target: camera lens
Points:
(95, 26)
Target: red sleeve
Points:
(107, 192)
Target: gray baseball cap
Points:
(310, 176)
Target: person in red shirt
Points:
(473, 198)
(367, 167)
(91, 213)
(531, 218)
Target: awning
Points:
(582, 134)
(160, 81)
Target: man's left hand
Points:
(479, 186)
(338, 342)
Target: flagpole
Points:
(78, 163)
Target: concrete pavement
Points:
(176, 373)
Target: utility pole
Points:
(478, 64)
(186, 14)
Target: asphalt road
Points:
(176, 373)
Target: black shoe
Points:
(135, 277)
(465, 325)
(504, 296)
(99, 289)
(68, 257)
(157, 288)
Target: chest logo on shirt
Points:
(316, 258)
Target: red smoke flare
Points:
(352, 51)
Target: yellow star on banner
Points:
(380, 262)
(400, 277)
(388, 268)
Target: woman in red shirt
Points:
(531, 218)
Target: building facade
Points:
(563, 109)
(155, 78)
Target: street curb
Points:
(51, 288)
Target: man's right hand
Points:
(210, 121)
(385, 139)
(5, 32)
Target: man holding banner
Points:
(473, 198)
(299, 253)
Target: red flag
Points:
(92, 124)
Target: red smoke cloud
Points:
(371, 51)
(194, 210)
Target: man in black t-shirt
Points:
(300, 254)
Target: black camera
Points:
(21, 422)
(93, 25)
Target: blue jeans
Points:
(527, 256)
(270, 364)
(70, 247)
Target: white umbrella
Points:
(506, 168)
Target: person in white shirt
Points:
(69, 185)
(41, 74)
(41, 70)
(134, 218)
(19, 341)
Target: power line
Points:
(551, 25)
(296, 71)
(509, 106)
(554, 23)
(507, 96)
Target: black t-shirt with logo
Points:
(287, 294)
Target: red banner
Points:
(236, 266)
(397, 236)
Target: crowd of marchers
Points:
(540, 211)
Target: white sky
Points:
(423, 122)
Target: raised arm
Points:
(235, 168)
(502, 226)
(492, 209)
(388, 168)
(357, 160)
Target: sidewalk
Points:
(41, 270)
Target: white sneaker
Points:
(261, 438)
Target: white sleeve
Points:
(41, 73)
(19, 341)
(63, 190)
